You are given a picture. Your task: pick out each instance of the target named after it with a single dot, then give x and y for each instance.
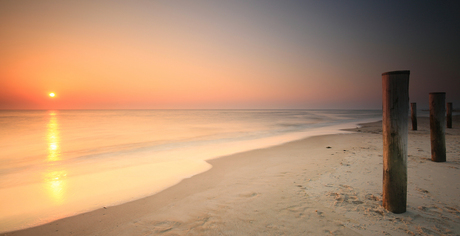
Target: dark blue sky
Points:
(370, 37)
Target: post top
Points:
(438, 93)
(397, 72)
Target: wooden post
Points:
(413, 115)
(449, 115)
(395, 86)
(437, 126)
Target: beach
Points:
(330, 184)
(228, 118)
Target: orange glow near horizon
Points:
(172, 55)
(173, 67)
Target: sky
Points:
(216, 54)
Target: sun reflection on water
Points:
(56, 185)
(54, 176)
(53, 138)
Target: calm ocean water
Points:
(59, 163)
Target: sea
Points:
(59, 163)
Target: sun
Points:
(52, 95)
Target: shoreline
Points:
(299, 187)
(169, 173)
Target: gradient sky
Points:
(224, 54)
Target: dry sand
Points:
(298, 188)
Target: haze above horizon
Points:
(223, 54)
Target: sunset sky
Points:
(224, 54)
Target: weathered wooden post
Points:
(395, 86)
(413, 115)
(437, 126)
(449, 115)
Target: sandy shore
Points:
(317, 186)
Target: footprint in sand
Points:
(439, 210)
(165, 226)
(249, 195)
(372, 197)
